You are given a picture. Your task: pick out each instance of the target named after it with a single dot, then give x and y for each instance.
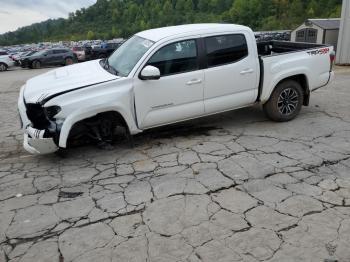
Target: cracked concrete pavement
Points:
(232, 187)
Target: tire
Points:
(107, 128)
(36, 64)
(68, 61)
(3, 67)
(285, 102)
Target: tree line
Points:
(109, 19)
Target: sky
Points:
(19, 13)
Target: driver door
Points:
(178, 94)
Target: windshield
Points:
(128, 54)
(29, 53)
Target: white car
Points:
(6, 62)
(167, 75)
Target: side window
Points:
(301, 33)
(176, 58)
(225, 49)
(56, 52)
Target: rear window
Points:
(225, 49)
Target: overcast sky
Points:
(18, 13)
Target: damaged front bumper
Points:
(34, 141)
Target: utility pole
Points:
(343, 50)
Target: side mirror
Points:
(150, 73)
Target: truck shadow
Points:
(191, 129)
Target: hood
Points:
(35, 55)
(65, 79)
(27, 56)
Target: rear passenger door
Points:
(231, 76)
(58, 56)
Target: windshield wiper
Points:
(108, 67)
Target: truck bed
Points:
(268, 48)
(280, 59)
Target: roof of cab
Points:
(184, 30)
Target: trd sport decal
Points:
(322, 51)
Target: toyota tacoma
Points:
(167, 75)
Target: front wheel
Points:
(285, 102)
(3, 67)
(36, 64)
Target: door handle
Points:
(247, 71)
(194, 82)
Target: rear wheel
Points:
(3, 67)
(36, 64)
(68, 61)
(285, 102)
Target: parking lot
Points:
(231, 187)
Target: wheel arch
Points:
(69, 57)
(74, 119)
(304, 83)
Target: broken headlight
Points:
(52, 111)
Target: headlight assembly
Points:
(52, 111)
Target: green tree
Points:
(90, 35)
(122, 18)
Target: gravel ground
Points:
(232, 187)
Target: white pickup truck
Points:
(167, 75)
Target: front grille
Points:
(36, 115)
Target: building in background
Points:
(343, 51)
(318, 31)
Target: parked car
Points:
(50, 57)
(5, 62)
(87, 52)
(16, 57)
(23, 61)
(79, 52)
(103, 50)
(168, 75)
(3, 52)
(20, 56)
